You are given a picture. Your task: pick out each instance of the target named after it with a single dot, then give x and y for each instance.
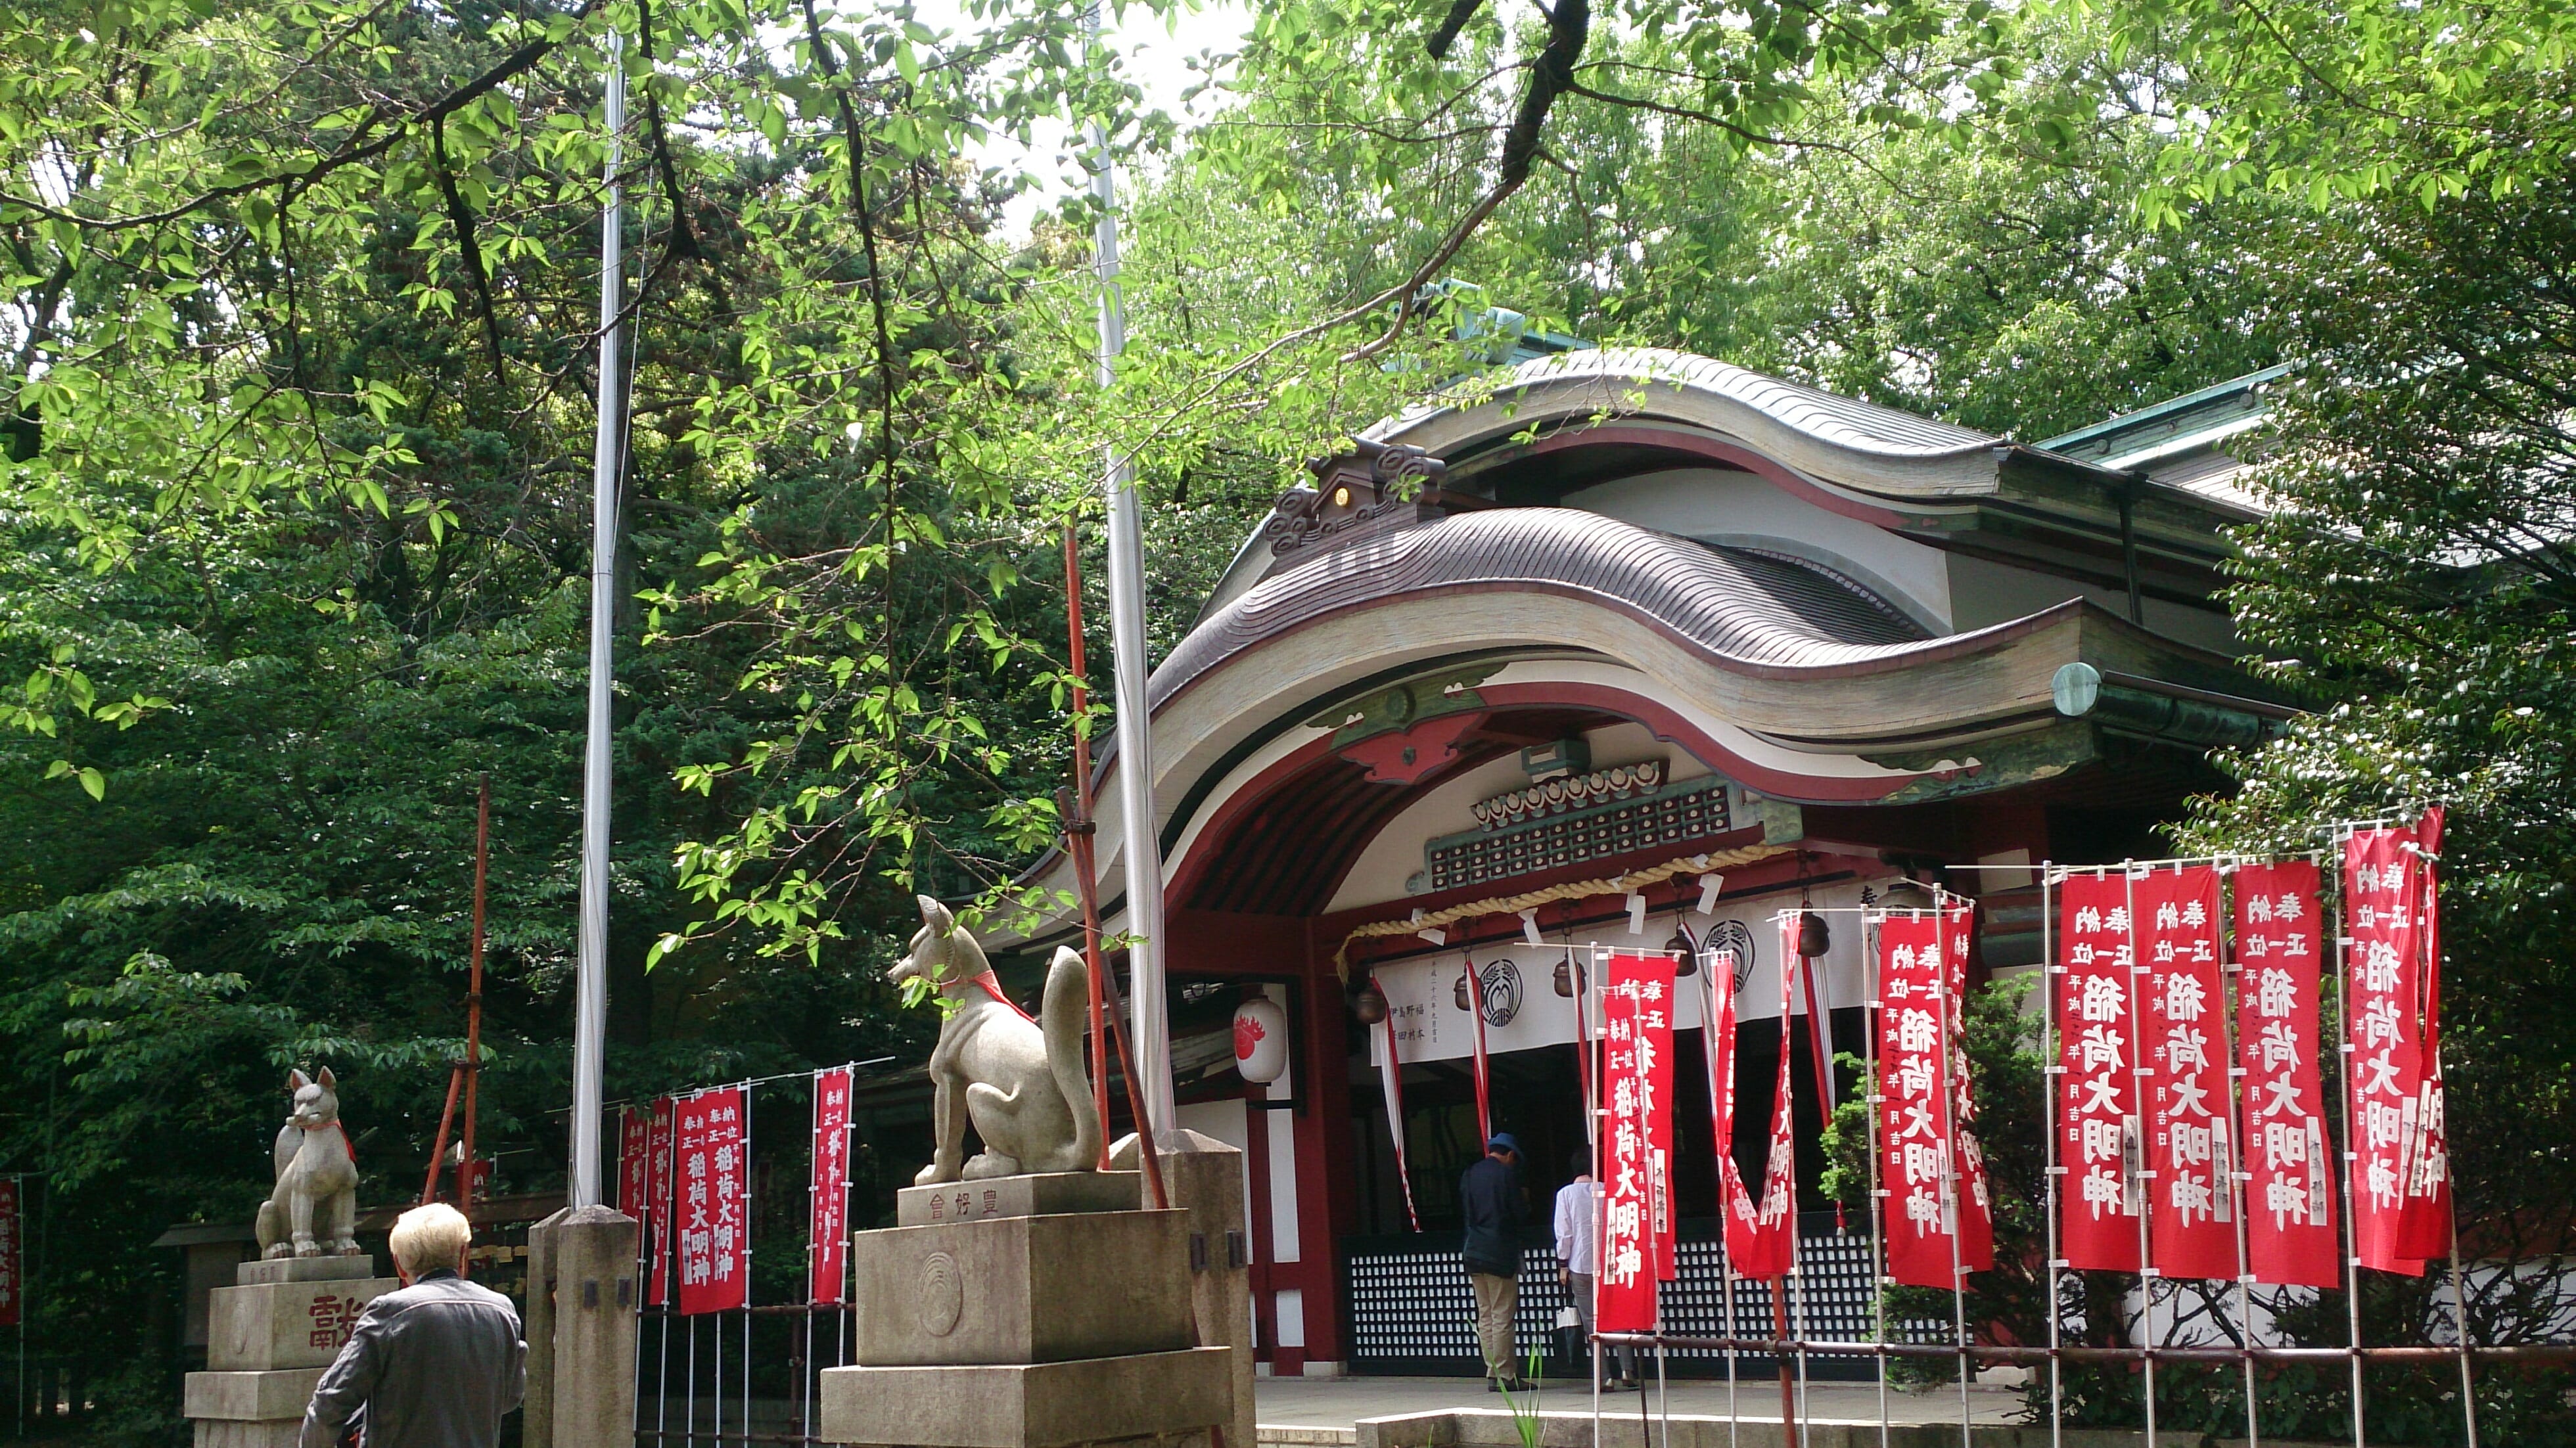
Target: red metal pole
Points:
(438, 1148)
(1081, 815)
(1780, 1323)
(474, 995)
(1077, 838)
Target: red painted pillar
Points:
(1327, 1184)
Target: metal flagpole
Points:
(590, 1009)
(2143, 1174)
(2052, 1071)
(1141, 850)
(1873, 999)
(2238, 1183)
(2343, 1178)
(1954, 1064)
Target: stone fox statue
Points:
(314, 1211)
(1021, 1082)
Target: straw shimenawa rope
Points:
(1571, 890)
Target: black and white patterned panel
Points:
(1415, 1306)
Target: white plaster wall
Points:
(1721, 505)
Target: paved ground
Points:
(1338, 1402)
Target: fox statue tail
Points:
(1063, 1016)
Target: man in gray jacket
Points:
(433, 1365)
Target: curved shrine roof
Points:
(1837, 439)
(1752, 607)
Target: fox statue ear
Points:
(936, 916)
(296, 1080)
(328, 1084)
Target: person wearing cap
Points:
(1489, 1195)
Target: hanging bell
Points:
(1813, 938)
(1569, 978)
(1369, 1005)
(1461, 992)
(1685, 953)
(1907, 895)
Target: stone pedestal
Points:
(1023, 1290)
(1204, 1179)
(1166, 1397)
(268, 1339)
(1035, 1195)
(1028, 1325)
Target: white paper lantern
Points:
(1260, 1040)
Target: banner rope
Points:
(1571, 890)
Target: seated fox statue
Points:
(1021, 1082)
(314, 1210)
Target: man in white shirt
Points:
(1578, 1256)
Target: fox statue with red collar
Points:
(314, 1210)
(1021, 1081)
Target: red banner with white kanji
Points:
(657, 1202)
(1977, 1206)
(1735, 1210)
(1636, 1143)
(828, 1191)
(2425, 1232)
(1762, 1241)
(2401, 1169)
(1938, 1219)
(13, 1257)
(2289, 1192)
(2100, 1138)
(2191, 1156)
(714, 1221)
(634, 1159)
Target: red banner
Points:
(634, 1164)
(2191, 1156)
(1636, 1146)
(2426, 1231)
(13, 1257)
(657, 1204)
(2100, 1141)
(2401, 1171)
(1977, 1216)
(829, 1198)
(1763, 1242)
(1928, 1163)
(1734, 1205)
(715, 1237)
(2289, 1195)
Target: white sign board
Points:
(1523, 1010)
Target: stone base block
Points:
(1024, 1289)
(249, 1397)
(1035, 1195)
(1043, 1405)
(270, 1325)
(305, 1269)
(224, 1433)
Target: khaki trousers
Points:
(1496, 1297)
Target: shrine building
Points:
(1631, 622)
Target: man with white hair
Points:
(433, 1365)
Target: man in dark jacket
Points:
(1490, 1195)
(434, 1365)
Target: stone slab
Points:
(272, 1325)
(225, 1433)
(1037, 1194)
(1623, 1425)
(1019, 1290)
(305, 1269)
(1039, 1405)
(243, 1397)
